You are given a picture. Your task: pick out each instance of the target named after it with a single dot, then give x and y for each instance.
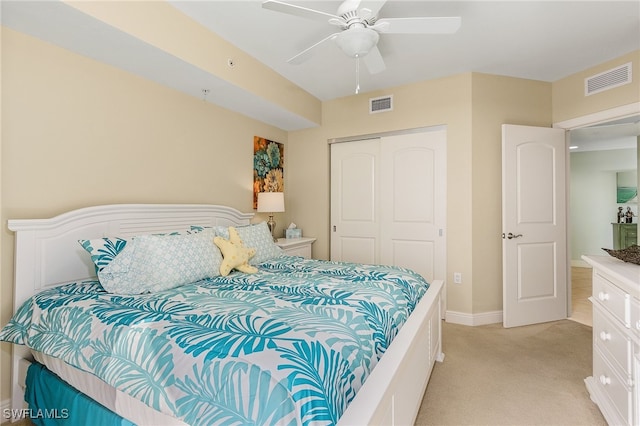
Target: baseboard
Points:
(5, 407)
(578, 263)
(473, 319)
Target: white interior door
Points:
(413, 207)
(354, 201)
(534, 225)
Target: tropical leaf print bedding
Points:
(291, 344)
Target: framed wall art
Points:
(268, 167)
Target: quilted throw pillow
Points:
(152, 263)
(255, 236)
(104, 250)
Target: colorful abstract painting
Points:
(268, 167)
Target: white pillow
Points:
(151, 263)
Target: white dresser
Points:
(615, 383)
(296, 246)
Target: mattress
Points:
(110, 397)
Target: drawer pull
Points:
(605, 380)
(604, 336)
(603, 296)
(638, 325)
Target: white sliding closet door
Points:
(413, 202)
(388, 201)
(355, 218)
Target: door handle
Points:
(511, 235)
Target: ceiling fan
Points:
(360, 28)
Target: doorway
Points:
(606, 142)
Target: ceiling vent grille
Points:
(381, 104)
(608, 80)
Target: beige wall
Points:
(176, 34)
(496, 100)
(77, 133)
(570, 102)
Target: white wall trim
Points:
(600, 117)
(483, 318)
(4, 405)
(578, 263)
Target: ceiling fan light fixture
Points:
(356, 42)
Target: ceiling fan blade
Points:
(373, 5)
(374, 62)
(426, 25)
(308, 52)
(300, 11)
(348, 7)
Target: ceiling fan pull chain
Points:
(357, 75)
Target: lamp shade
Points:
(270, 202)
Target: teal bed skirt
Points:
(54, 402)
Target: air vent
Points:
(381, 104)
(608, 80)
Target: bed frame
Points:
(47, 254)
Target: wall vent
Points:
(608, 80)
(381, 104)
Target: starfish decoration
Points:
(235, 255)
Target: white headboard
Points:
(47, 252)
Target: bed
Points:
(361, 374)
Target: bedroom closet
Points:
(388, 200)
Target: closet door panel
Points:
(412, 185)
(358, 249)
(416, 255)
(354, 198)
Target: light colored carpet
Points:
(531, 375)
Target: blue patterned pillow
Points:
(104, 250)
(152, 263)
(255, 236)
(193, 229)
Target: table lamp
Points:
(271, 202)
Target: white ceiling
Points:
(540, 40)
(618, 134)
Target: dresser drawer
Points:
(613, 387)
(612, 342)
(612, 298)
(299, 251)
(634, 316)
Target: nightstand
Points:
(296, 246)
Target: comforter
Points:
(291, 344)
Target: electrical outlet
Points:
(457, 277)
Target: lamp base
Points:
(272, 227)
